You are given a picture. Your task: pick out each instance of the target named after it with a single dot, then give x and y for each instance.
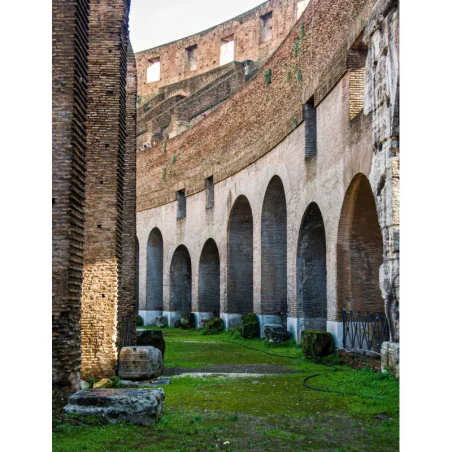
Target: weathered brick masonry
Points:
(315, 130)
(69, 92)
(105, 183)
(93, 186)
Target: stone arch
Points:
(154, 271)
(311, 269)
(274, 250)
(240, 258)
(209, 279)
(180, 281)
(359, 251)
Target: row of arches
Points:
(359, 256)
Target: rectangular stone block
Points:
(138, 406)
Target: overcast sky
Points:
(153, 22)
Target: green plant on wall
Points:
(288, 75)
(164, 173)
(302, 31)
(299, 76)
(296, 46)
(268, 77)
(295, 121)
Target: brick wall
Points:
(69, 90)
(107, 171)
(246, 29)
(251, 122)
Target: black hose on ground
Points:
(308, 377)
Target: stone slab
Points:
(138, 406)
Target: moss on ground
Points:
(253, 413)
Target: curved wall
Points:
(253, 137)
(245, 30)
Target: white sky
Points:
(153, 23)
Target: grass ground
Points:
(254, 413)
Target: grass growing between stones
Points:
(251, 413)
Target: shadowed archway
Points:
(311, 270)
(240, 258)
(180, 281)
(154, 271)
(359, 251)
(274, 250)
(209, 279)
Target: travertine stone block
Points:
(140, 363)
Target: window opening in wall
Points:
(301, 6)
(181, 204)
(191, 53)
(210, 200)
(310, 121)
(153, 71)
(356, 62)
(266, 27)
(227, 50)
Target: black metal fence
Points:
(125, 331)
(364, 332)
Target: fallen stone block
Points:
(138, 406)
(140, 363)
(276, 333)
(153, 338)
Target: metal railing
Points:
(364, 332)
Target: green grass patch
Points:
(253, 413)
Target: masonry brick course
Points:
(245, 29)
(252, 121)
(93, 198)
(69, 91)
(259, 133)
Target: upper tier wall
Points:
(310, 61)
(250, 44)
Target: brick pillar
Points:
(69, 90)
(105, 175)
(127, 294)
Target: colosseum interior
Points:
(269, 183)
(266, 159)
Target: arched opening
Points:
(209, 279)
(274, 250)
(180, 281)
(359, 251)
(154, 271)
(311, 270)
(240, 258)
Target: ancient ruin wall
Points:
(127, 299)
(233, 144)
(107, 167)
(69, 91)
(310, 61)
(249, 45)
